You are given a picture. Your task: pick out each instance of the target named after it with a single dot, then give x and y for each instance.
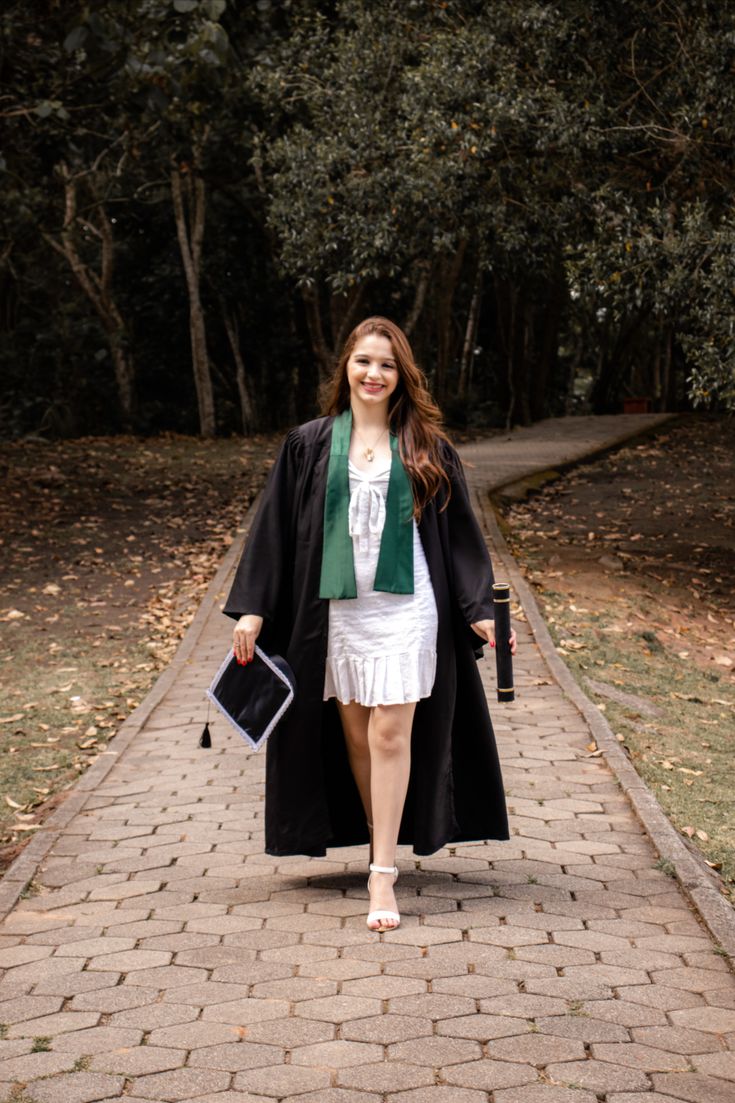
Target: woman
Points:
(365, 567)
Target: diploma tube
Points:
(503, 656)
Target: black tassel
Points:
(205, 739)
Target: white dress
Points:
(382, 647)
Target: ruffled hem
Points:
(385, 680)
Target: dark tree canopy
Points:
(202, 197)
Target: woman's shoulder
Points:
(447, 453)
(311, 432)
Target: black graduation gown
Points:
(455, 789)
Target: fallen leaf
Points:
(12, 719)
(14, 803)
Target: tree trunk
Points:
(190, 234)
(247, 406)
(449, 268)
(422, 284)
(470, 333)
(614, 362)
(549, 315)
(506, 304)
(98, 287)
(323, 353)
(343, 311)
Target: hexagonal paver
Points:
(693, 1087)
(128, 961)
(192, 1035)
(140, 1061)
(714, 1020)
(489, 1075)
(337, 1054)
(290, 1032)
(243, 1012)
(283, 1080)
(170, 1087)
(386, 1076)
(206, 994)
(552, 1093)
(338, 1009)
(483, 1028)
(435, 1052)
(432, 1006)
(598, 1076)
(385, 1029)
(100, 1039)
(236, 1056)
(536, 1049)
(49, 1025)
(448, 1094)
(35, 1065)
(29, 1007)
(330, 1095)
(77, 1087)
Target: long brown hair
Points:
(412, 414)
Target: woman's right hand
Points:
(245, 634)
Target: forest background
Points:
(201, 197)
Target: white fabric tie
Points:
(367, 513)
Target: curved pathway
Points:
(156, 953)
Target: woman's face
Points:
(372, 372)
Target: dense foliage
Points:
(201, 197)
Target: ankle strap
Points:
(383, 869)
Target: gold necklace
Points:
(369, 452)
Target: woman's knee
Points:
(390, 730)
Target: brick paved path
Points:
(165, 957)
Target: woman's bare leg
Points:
(355, 720)
(389, 742)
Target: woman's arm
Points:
(471, 563)
(262, 580)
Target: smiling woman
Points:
(365, 567)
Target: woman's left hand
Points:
(486, 629)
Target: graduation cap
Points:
(253, 697)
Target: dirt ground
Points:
(106, 548)
(632, 560)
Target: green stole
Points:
(394, 573)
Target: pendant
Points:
(369, 455)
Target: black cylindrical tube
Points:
(503, 656)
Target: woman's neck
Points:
(373, 420)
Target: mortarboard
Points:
(254, 697)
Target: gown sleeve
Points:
(262, 579)
(471, 564)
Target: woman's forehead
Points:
(374, 344)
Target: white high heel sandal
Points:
(381, 914)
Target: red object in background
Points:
(636, 405)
